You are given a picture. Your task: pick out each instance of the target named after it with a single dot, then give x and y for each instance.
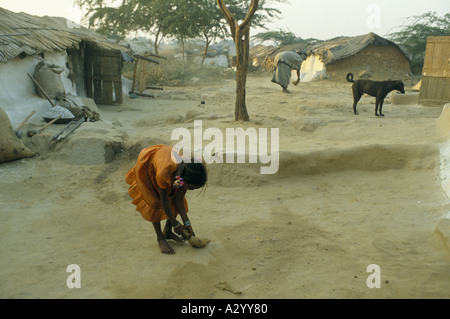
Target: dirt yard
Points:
(351, 191)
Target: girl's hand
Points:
(179, 229)
(188, 227)
(188, 232)
(191, 230)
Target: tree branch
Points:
(229, 17)
(250, 13)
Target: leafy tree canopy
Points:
(279, 38)
(179, 19)
(414, 33)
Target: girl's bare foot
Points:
(165, 247)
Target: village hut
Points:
(366, 56)
(435, 84)
(90, 65)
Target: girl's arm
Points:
(166, 206)
(179, 203)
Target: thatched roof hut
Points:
(369, 55)
(22, 34)
(343, 47)
(93, 64)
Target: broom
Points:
(195, 242)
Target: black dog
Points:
(378, 89)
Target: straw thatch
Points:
(21, 33)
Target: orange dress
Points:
(155, 168)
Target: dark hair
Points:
(192, 173)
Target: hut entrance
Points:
(104, 76)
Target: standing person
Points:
(158, 185)
(284, 63)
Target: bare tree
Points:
(241, 38)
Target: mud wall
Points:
(377, 62)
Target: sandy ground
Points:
(351, 191)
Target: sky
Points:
(320, 19)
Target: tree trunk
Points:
(206, 50)
(182, 49)
(241, 37)
(157, 40)
(242, 45)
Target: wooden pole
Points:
(137, 56)
(134, 74)
(42, 90)
(157, 56)
(141, 94)
(154, 88)
(24, 121)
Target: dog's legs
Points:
(379, 104)
(356, 97)
(381, 107)
(377, 101)
(354, 107)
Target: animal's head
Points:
(400, 87)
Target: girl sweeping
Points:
(158, 185)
